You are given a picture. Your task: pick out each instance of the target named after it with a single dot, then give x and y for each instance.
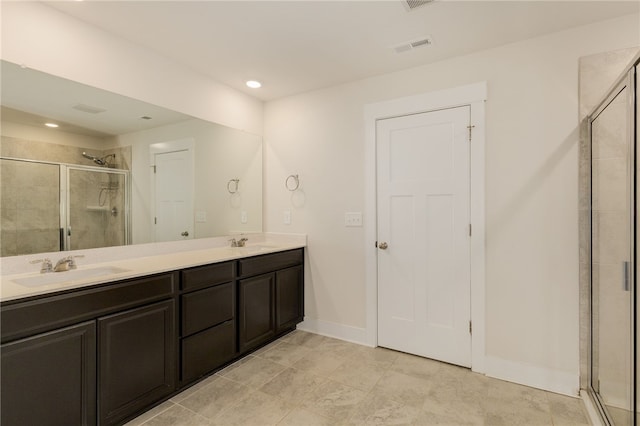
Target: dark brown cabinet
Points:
(103, 354)
(208, 323)
(63, 353)
(257, 310)
(50, 378)
(289, 298)
(270, 303)
(136, 358)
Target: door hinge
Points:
(470, 328)
(154, 169)
(470, 231)
(470, 127)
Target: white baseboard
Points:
(534, 376)
(332, 329)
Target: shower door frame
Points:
(627, 80)
(65, 201)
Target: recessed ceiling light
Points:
(254, 84)
(51, 124)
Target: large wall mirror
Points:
(116, 170)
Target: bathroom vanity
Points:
(104, 352)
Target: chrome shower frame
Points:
(627, 81)
(65, 199)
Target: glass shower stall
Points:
(47, 207)
(614, 180)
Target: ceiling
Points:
(298, 46)
(32, 97)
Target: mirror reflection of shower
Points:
(101, 161)
(108, 190)
(109, 193)
(65, 213)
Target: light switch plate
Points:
(353, 219)
(286, 217)
(201, 216)
(244, 218)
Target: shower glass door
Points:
(97, 206)
(612, 256)
(29, 207)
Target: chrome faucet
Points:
(46, 265)
(66, 263)
(238, 243)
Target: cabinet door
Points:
(257, 316)
(137, 353)
(289, 298)
(50, 378)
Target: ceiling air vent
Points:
(413, 4)
(88, 108)
(415, 44)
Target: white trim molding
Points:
(332, 329)
(475, 96)
(557, 381)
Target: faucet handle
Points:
(47, 266)
(72, 262)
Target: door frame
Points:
(473, 95)
(189, 145)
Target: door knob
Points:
(185, 234)
(383, 245)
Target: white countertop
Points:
(151, 259)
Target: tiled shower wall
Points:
(29, 198)
(597, 73)
(97, 209)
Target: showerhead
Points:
(96, 160)
(99, 161)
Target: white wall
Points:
(47, 40)
(531, 192)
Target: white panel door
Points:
(173, 196)
(423, 234)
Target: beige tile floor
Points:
(304, 379)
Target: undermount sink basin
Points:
(73, 275)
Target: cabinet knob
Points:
(383, 245)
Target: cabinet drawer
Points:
(47, 313)
(204, 276)
(206, 308)
(269, 262)
(208, 350)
